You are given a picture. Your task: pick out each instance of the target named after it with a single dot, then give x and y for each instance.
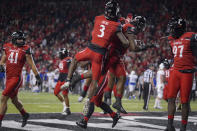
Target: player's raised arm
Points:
(31, 63)
(123, 39)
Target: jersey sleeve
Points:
(28, 51)
(193, 44)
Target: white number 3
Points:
(11, 57)
(102, 31)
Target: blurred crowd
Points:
(51, 25)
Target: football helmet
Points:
(139, 22)
(63, 53)
(161, 66)
(18, 35)
(112, 10)
(176, 26)
(166, 64)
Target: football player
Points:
(105, 28)
(184, 49)
(15, 54)
(63, 69)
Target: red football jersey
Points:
(63, 65)
(116, 45)
(15, 58)
(183, 58)
(104, 30)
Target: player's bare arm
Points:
(123, 39)
(31, 63)
(132, 44)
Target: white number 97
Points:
(175, 50)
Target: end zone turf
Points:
(135, 121)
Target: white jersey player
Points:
(160, 86)
(51, 81)
(132, 83)
(33, 85)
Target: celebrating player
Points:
(15, 55)
(63, 69)
(184, 48)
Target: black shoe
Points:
(25, 118)
(82, 123)
(170, 128)
(115, 120)
(118, 106)
(0, 123)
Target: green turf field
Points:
(47, 102)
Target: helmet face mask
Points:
(18, 38)
(139, 22)
(166, 64)
(112, 10)
(176, 27)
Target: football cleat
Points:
(115, 120)
(24, 119)
(82, 123)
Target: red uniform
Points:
(15, 60)
(63, 69)
(97, 99)
(116, 63)
(102, 34)
(183, 60)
